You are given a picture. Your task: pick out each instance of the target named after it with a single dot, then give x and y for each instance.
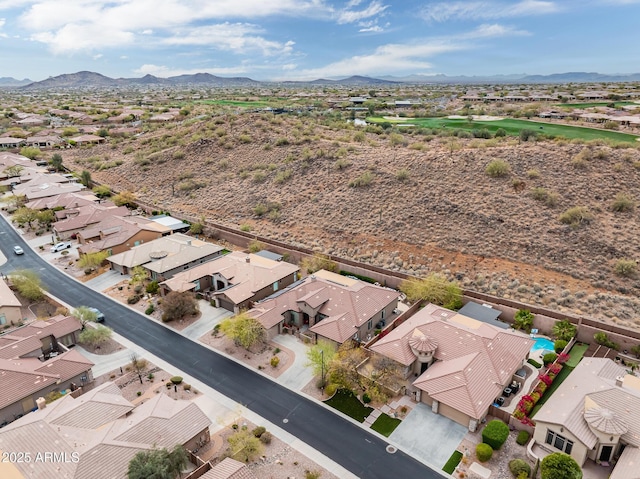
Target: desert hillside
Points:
(405, 200)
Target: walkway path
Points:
(298, 375)
(209, 318)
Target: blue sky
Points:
(308, 39)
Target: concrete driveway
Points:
(429, 436)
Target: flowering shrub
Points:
(540, 388)
(555, 368)
(545, 379)
(562, 358)
(535, 396)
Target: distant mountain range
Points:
(86, 79)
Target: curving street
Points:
(349, 445)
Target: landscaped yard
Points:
(595, 104)
(385, 424)
(576, 354)
(513, 127)
(347, 402)
(453, 461)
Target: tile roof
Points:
(115, 231)
(66, 200)
(14, 347)
(89, 214)
(473, 360)
(229, 469)
(57, 326)
(179, 248)
(7, 296)
(346, 303)
(246, 278)
(592, 384)
(70, 426)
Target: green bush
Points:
(331, 389)
(152, 287)
(275, 360)
(516, 466)
(534, 363)
(523, 437)
(176, 379)
(366, 398)
(576, 216)
(559, 345)
(150, 309)
(549, 358)
(523, 320)
(497, 169)
(259, 431)
(265, 437)
(560, 466)
(625, 267)
(602, 339)
(484, 452)
(133, 299)
(495, 433)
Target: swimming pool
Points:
(544, 344)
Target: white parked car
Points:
(18, 250)
(60, 246)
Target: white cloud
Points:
(494, 30)
(97, 56)
(374, 28)
(148, 31)
(123, 57)
(164, 71)
(235, 37)
(483, 10)
(2, 22)
(350, 16)
(76, 38)
(289, 66)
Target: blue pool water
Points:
(542, 343)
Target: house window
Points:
(370, 324)
(136, 243)
(275, 286)
(197, 283)
(559, 442)
(3, 319)
(382, 314)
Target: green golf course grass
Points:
(596, 104)
(513, 127)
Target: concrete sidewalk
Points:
(210, 317)
(220, 409)
(106, 280)
(298, 374)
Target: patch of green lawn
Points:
(595, 104)
(576, 354)
(347, 402)
(385, 424)
(513, 127)
(453, 461)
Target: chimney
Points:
(248, 259)
(188, 242)
(41, 403)
(313, 277)
(619, 381)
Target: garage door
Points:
(226, 304)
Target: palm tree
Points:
(564, 330)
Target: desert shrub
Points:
(500, 132)
(331, 389)
(150, 309)
(176, 305)
(549, 198)
(152, 287)
(282, 142)
(318, 261)
(275, 360)
(364, 179)
(259, 177)
(533, 173)
(265, 437)
(516, 466)
(527, 135)
(549, 358)
(559, 345)
(133, 299)
(255, 246)
(623, 203)
(523, 437)
(625, 267)
(176, 380)
(366, 398)
(259, 431)
(186, 387)
(576, 216)
(484, 452)
(283, 176)
(497, 169)
(341, 164)
(402, 175)
(495, 433)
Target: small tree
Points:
(101, 191)
(139, 366)
(126, 198)
(85, 178)
(13, 171)
(343, 368)
(495, 433)
(523, 320)
(30, 152)
(564, 330)
(95, 336)
(435, 289)
(318, 261)
(24, 215)
(177, 305)
(93, 260)
(560, 466)
(28, 284)
(56, 162)
(84, 314)
(244, 446)
(320, 355)
(45, 218)
(243, 329)
(157, 464)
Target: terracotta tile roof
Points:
(593, 384)
(346, 303)
(57, 326)
(89, 214)
(65, 366)
(473, 359)
(7, 296)
(229, 469)
(103, 454)
(14, 347)
(246, 278)
(66, 200)
(114, 231)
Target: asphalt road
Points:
(349, 445)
